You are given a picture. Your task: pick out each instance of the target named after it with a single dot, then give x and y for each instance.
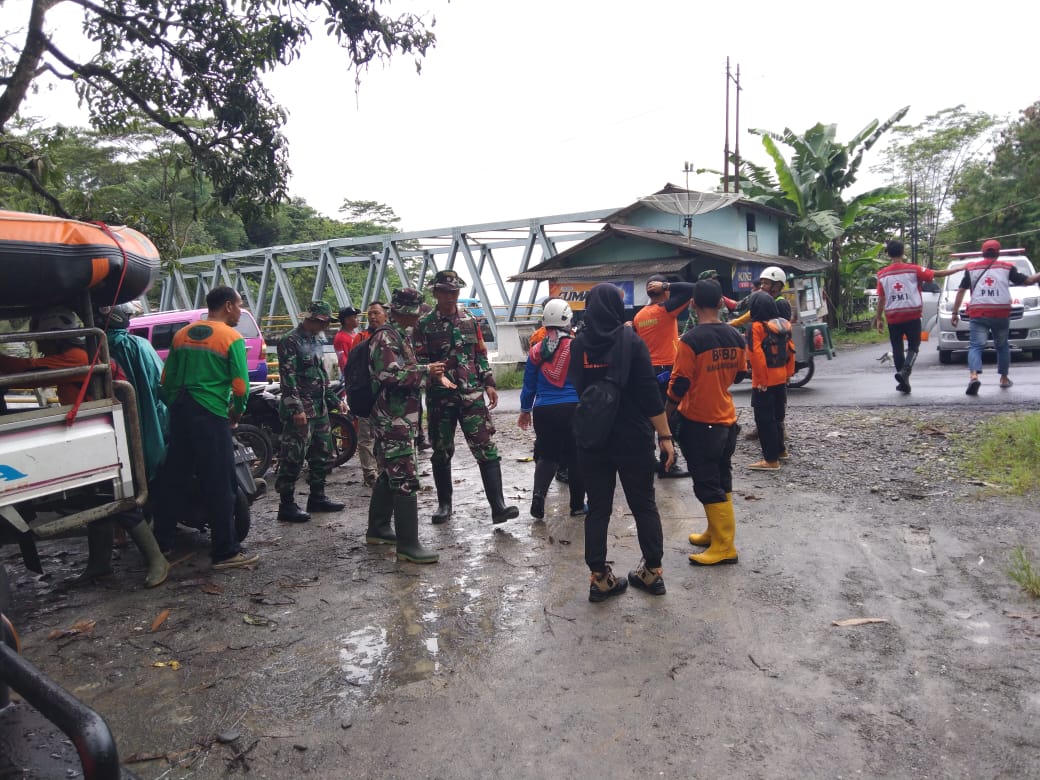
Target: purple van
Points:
(159, 329)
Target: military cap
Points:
(447, 280)
(711, 273)
(319, 310)
(406, 301)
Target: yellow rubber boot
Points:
(704, 539)
(722, 528)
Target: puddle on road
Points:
(434, 625)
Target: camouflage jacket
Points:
(396, 376)
(456, 340)
(301, 371)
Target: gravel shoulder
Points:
(330, 659)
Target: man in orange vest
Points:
(657, 324)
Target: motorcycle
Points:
(261, 427)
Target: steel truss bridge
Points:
(264, 277)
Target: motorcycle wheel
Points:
(260, 443)
(243, 521)
(344, 438)
(801, 377)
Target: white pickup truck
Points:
(58, 472)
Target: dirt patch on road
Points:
(331, 659)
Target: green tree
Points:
(930, 157)
(185, 60)
(813, 186)
(1000, 197)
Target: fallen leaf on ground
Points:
(79, 627)
(858, 621)
(160, 620)
(175, 665)
(255, 620)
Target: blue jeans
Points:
(981, 327)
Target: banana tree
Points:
(811, 186)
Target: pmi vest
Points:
(900, 289)
(990, 288)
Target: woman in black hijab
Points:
(629, 453)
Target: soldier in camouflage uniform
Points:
(395, 419)
(452, 335)
(304, 412)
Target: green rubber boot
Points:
(380, 510)
(158, 567)
(406, 519)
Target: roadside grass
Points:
(1007, 452)
(1021, 571)
(509, 380)
(859, 336)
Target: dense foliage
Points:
(192, 68)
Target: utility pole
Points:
(688, 219)
(736, 152)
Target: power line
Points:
(991, 213)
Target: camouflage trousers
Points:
(468, 411)
(311, 442)
(395, 453)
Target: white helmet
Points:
(557, 314)
(57, 318)
(774, 274)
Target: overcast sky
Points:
(542, 107)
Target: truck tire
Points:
(945, 356)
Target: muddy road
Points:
(330, 659)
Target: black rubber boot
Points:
(903, 375)
(288, 512)
(380, 510)
(491, 476)
(544, 471)
(406, 520)
(442, 479)
(100, 536)
(317, 501)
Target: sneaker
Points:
(765, 465)
(647, 579)
(581, 511)
(973, 387)
(603, 586)
(236, 561)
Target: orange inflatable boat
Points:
(49, 260)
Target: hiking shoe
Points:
(765, 465)
(604, 585)
(647, 579)
(973, 387)
(236, 561)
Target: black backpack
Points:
(357, 378)
(775, 342)
(593, 419)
